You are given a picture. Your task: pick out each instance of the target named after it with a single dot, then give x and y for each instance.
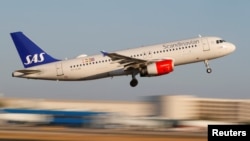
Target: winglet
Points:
(104, 53)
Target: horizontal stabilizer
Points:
(19, 73)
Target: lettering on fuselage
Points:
(36, 58)
(179, 44)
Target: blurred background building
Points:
(191, 107)
(179, 107)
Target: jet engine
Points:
(157, 68)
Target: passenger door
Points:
(59, 70)
(205, 44)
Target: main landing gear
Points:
(134, 81)
(209, 70)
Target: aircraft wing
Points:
(126, 61)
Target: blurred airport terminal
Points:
(169, 112)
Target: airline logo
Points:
(36, 58)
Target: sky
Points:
(66, 29)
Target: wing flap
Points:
(125, 61)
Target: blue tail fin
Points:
(30, 54)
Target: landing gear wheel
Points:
(209, 70)
(133, 82)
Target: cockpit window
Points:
(220, 41)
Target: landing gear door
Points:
(59, 70)
(205, 44)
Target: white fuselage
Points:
(100, 66)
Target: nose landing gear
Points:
(209, 70)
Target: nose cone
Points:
(231, 48)
(227, 48)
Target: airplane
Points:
(148, 61)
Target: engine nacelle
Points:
(158, 68)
